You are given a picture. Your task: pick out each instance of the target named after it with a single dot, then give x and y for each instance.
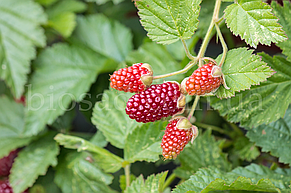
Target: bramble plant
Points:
(148, 76)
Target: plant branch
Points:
(193, 107)
(169, 180)
(212, 127)
(127, 174)
(187, 50)
(224, 46)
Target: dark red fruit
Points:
(202, 81)
(132, 79)
(158, 101)
(6, 188)
(174, 139)
(6, 163)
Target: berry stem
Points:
(187, 50)
(127, 174)
(193, 107)
(169, 180)
(212, 127)
(224, 46)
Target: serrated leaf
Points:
(274, 137)
(204, 152)
(158, 57)
(20, 32)
(136, 186)
(112, 108)
(74, 175)
(11, 126)
(254, 22)
(284, 15)
(63, 74)
(250, 178)
(33, 161)
(261, 104)
(147, 142)
(167, 21)
(47, 182)
(105, 159)
(105, 36)
(245, 149)
(242, 69)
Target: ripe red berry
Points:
(202, 81)
(175, 139)
(6, 163)
(132, 79)
(6, 188)
(158, 101)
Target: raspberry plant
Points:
(74, 72)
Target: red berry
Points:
(132, 79)
(158, 101)
(202, 81)
(6, 188)
(6, 163)
(174, 139)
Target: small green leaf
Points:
(284, 15)
(136, 186)
(33, 161)
(105, 36)
(105, 159)
(274, 137)
(62, 74)
(242, 69)
(99, 139)
(144, 143)
(245, 149)
(11, 126)
(254, 22)
(75, 174)
(20, 31)
(261, 104)
(46, 2)
(204, 152)
(167, 21)
(158, 57)
(122, 181)
(112, 108)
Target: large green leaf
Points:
(33, 161)
(147, 142)
(254, 22)
(274, 137)
(76, 174)
(62, 16)
(284, 15)
(167, 21)
(105, 159)
(109, 116)
(242, 69)
(105, 36)
(158, 57)
(20, 31)
(250, 178)
(261, 104)
(11, 126)
(62, 74)
(205, 151)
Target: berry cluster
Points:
(157, 101)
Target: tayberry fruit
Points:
(203, 80)
(6, 188)
(158, 101)
(132, 79)
(6, 163)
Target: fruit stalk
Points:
(193, 107)
(187, 50)
(127, 174)
(224, 46)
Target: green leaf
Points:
(11, 126)
(254, 22)
(105, 36)
(250, 178)
(284, 15)
(75, 174)
(204, 152)
(63, 123)
(245, 149)
(33, 161)
(105, 159)
(242, 69)
(20, 31)
(46, 2)
(62, 16)
(153, 184)
(99, 139)
(112, 108)
(167, 21)
(105, 1)
(158, 57)
(62, 74)
(46, 182)
(147, 142)
(261, 104)
(274, 137)
(122, 181)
